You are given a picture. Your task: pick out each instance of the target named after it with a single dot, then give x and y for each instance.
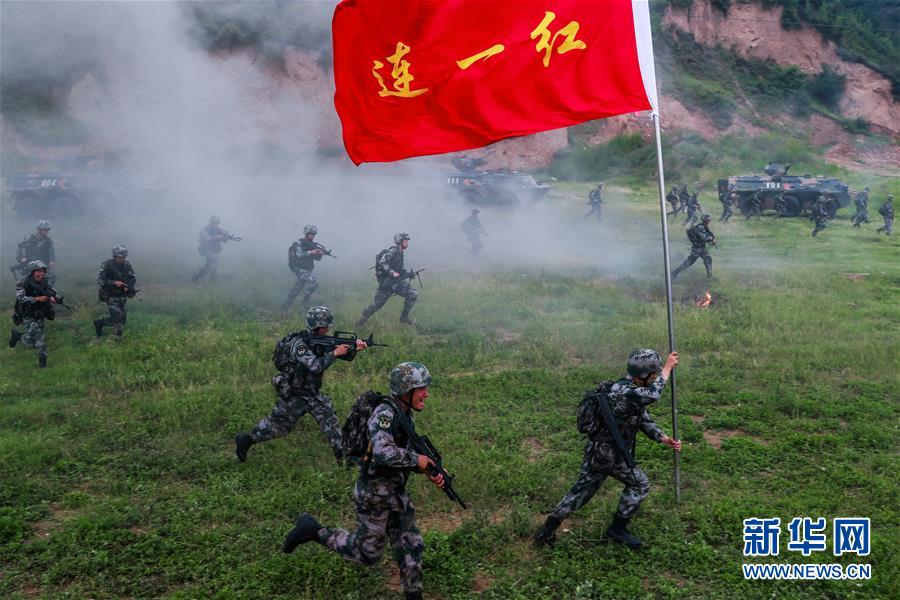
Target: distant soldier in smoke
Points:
(473, 229)
(384, 511)
(37, 246)
(754, 207)
(820, 213)
(595, 200)
(886, 210)
(302, 257)
(683, 198)
(117, 284)
(392, 279)
(302, 364)
(35, 299)
(862, 208)
(699, 235)
(693, 209)
(727, 199)
(672, 198)
(612, 431)
(211, 239)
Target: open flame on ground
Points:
(703, 300)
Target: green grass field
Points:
(118, 477)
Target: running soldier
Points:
(117, 284)
(672, 198)
(693, 209)
(37, 246)
(34, 303)
(302, 257)
(862, 208)
(609, 448)
(754, 207)
(392, 279)
(383, 507)
(473, 229)
(886, 210)
(211, 239)
(595, 200)
(820, 213)
(302, 363)
(683, 198)
(699, 235)
(727, 199)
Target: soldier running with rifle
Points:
(35, 298)
(392, 280)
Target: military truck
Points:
(53, 194)
(498, 187)
(788, 195)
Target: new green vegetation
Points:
(119, 479)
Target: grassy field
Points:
(118, 477)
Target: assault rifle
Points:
(612, 425)
(340, 338)
(412, 275)
(422, 445)
(325, 251)
(54, 295)
(231, 238)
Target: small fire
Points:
(704, 301)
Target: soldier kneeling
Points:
(608, 449)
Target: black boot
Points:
(14, 337)
(546, 535)
(413, 596)
(98, 327)
(306, 529)
(242, 443)
(617, 532)
(42, 361)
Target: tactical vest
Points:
(37, 310)
(371, 470)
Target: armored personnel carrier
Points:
(788, 195)
(498, 187)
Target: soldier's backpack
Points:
(883, 210)
(588, 417)
(283, 350)
(695, 237)
(378, 270)
(355, 432)
(292, 255)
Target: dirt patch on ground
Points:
(504, 335)
(696, 418)
(714, 438)
(856, 276)
(44, 529)
(481, 582)
(534, 448)
(445, 523)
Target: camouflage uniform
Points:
(693, 209)
(382, 504)
(35, 247)
(471, 226)
(727, 204)
(862, 208)
(699, 235)
(672, 198)
(754, 207)
(886, 210)
(391, 260)
(595, 199)
(299, 393)
(210, 247)
(302, 263)
(602, 458)
(683, 198)
(820, 214)
(114, 297)
(33, 313)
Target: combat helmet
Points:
(36, 265)
(215, 220)
(705, 217)
(119, 250)
(310, 229)
(643, 362)
(399, 237)
(43, 224)
(409, 376)
(319, 316)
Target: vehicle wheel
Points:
(744, 205)
(832, 209)
(791, 206)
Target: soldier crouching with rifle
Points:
(611, 417)
(383, 508)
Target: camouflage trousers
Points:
(696, 252)
(861, 216)
(211, 266)
(602, 461)
(692, 216)
(474, 242)
(305, 279)
(726, 213)
(821, 223)
(388, 288)
(377, 514)
(888, 226)
(34, 335)
(596, 209)
(754, 210)
(289, 410)
(118, 314)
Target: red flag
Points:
(416, 77)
